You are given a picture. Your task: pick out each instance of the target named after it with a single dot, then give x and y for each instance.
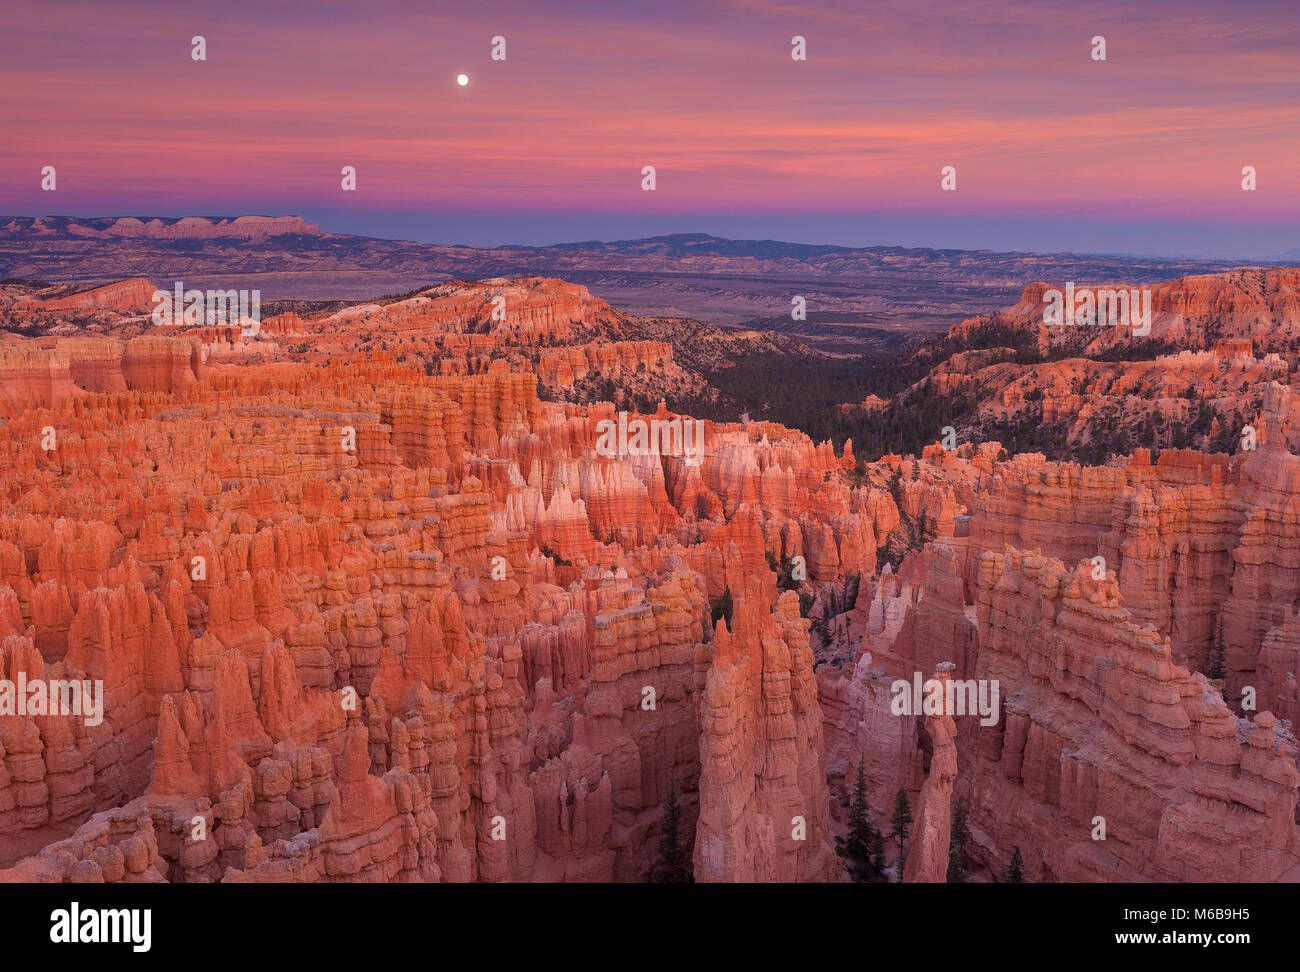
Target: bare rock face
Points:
(1277, 668)
(862, 729)
(33, 376)
(1102, 728)
(1200, 545)
(127, 296)
(927, 858)
(923, 622)
(764, 808)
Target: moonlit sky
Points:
(1141, 153)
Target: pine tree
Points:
(878, 857)
(1015, 874)
(852, 584)
(723, 609)
(855, 850)
(671, 866)
(902, 819)
(896, 487)
(1215, 668)
(806, 602)
(957, 845)
(901, 822)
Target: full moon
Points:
(462, 79)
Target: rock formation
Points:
(357, 620)
(367, 605)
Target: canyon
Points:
(368, 602)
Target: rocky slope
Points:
(356, 621)
(368, 605)
(1215, 342)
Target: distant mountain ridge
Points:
(856, 299)
(680, 244)
(672, 245)
(156, 227)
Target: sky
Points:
(1140, 153)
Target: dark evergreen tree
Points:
(671, 865)
(855, 849)
(806, 601)
(878, 856)
(902, 819)
(957, 845)
(896, 487)
(785, 579)
(723, 608)
(901, 823)
(852, 584)
(1015, 874)
(1215, 667)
